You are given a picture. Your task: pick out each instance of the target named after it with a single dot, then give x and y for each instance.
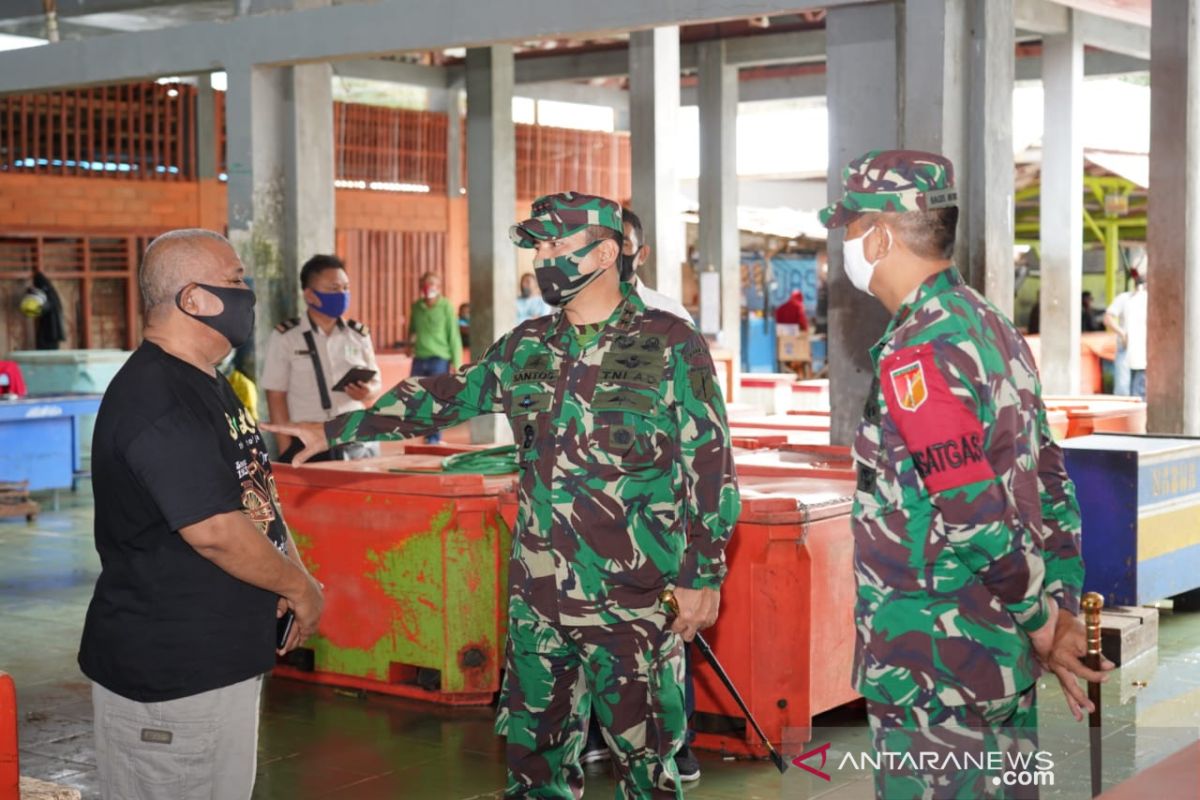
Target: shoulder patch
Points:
(358, 327)
(287, 324)
(944, 437)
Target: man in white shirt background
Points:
(634, 253)
(1126, 316)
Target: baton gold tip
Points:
(667, 598)
(1092, 602)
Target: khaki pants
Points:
(202, 747)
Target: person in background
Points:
(464, 324)
(821, 323)
(530, 304)
(1088, 322)
(634, 253)
(1035, 316)
(792, 311)
(196, 560)
(307, 356)
(236, 369)
(434, 341)
(1126, 316)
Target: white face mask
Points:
(854, 258)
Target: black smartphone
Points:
(283, 629)
(354, 375)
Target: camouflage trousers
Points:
(629, 675)
(967, 752)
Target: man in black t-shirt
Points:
(196, 562)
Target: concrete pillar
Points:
(454, 132)
(206, 129)
(1173, 272)
(987, 196)
(1062, 210)
(934, 86)
(719, 245)
(279, 128)
(861, 63)
(491, 196)
(279, 156)
(957, 101)
(654, 110)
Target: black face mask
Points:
(629, 265)
(236, 320)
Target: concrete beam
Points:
(1040, 16)
(377, 69)
(564, 92)
(1051, 19)
(1173, 275)
(741, 51)
(654, 113)
(1114, 36)
(349, 32)
(1062, 212)
(863, 114)
(1095, 64)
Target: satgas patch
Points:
(944, 437)
(908, 382)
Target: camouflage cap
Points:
(555, 216)
(893, 180)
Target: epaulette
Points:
(358, 327)
(287, 324)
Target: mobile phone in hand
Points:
(283, 629)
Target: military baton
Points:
(668, 599)
(1092, 604)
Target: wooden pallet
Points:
(16, 502)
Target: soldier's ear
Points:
(610, 252)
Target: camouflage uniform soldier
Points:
(626, 487)
(966, 525)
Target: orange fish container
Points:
(786, 628)
(1088, 414)
(414, 563)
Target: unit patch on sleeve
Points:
(944, 437)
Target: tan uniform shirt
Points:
(289, 367)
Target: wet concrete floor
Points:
(318, 743)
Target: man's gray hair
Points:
(166, 264)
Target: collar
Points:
(620, 320)
(307, 324)
(932, 287)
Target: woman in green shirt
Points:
(434, 340)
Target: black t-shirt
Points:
(174, 446)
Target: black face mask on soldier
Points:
(560, 279)
(236, 320)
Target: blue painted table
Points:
(1140, 498)
(39, 439)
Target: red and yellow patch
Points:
(942, 434)
(908, 382)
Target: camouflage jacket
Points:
(626, 472)
(964, 518)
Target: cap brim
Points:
(837, 215)
(525, 237)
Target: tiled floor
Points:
(318, 743)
